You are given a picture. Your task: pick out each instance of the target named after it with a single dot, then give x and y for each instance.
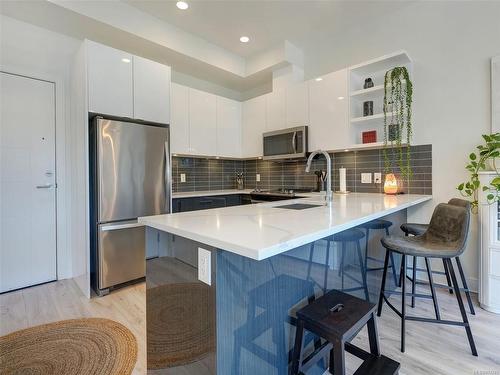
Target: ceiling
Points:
(267, 23)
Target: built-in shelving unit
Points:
(374, 69)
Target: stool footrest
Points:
(378, 366)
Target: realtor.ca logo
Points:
(487, 372)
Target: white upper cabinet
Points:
(297, 105)
(253, 125)
(329, 112)
(228, 127)
(202, 123)
(179, 122)
(110, 80)
(151, 91)
(276, 110)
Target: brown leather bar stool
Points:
(445, 239)
(338, 317)
(419, 229)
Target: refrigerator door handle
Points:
(122, 225)
(168, 185)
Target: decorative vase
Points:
(368, 83)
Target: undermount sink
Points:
(299, 206)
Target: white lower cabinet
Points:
(179, 122)
(202, 123)
(252, 126)
(228, 128)
(329, 112)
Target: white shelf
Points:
(368, 92)
(367, 119)
(365, 146)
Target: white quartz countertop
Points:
(259, 231)
(207, 193)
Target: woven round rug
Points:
(70, 347)
(180, 324)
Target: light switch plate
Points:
(257, 177)
(366, 178)
(183, 177)
(377, 178)
(204, 266)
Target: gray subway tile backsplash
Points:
(216, 174)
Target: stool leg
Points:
(309, 266)
(373, 336)
(462, 308)
(363, 271)
(448, 280)
(342, 263)
(394, 272)
(403, 307)
(297, 349)
(382, 287)
(327, 266)
(464, 283)
(414, 281)
(366, 247)
(402, 274)
(338, 358)
(433, 290)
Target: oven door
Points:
(285, 144)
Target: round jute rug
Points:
(70, 347)
(180, 324)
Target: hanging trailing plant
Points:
(398, 98)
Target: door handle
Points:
(294, 142)
(46, 186)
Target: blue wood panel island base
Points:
(244, 322)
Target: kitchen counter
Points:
(236, 275)
(260, 231)
(209, 193)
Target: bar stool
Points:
(378, 224)
(338, 317)
(349, 236)
(419, 229)
(445, 238)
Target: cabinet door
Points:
(329, 112)
(297, 105)
(202, 123)
(228, 127)
(179, 123)
(276, 110)
(109, 80)
(151, 91)
(253, 125)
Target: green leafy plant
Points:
(478, 161)
(398, 98)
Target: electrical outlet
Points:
(257, 177)
(183, 177)
(204, 266)
(366, 178)
(377, 178)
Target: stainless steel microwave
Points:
(286, 143)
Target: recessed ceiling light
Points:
(182, 5)
(244, 39)
(125, 60)
(319, 79)
(340, 98)
(346, 150)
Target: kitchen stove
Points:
(259, 195)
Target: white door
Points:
(27, 182)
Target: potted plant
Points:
(398, 98)
(482, 160)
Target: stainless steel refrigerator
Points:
(130, 177)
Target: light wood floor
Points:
(430, 349)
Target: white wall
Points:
(451, 44)
(32, 51)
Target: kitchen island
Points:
(263, 262)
